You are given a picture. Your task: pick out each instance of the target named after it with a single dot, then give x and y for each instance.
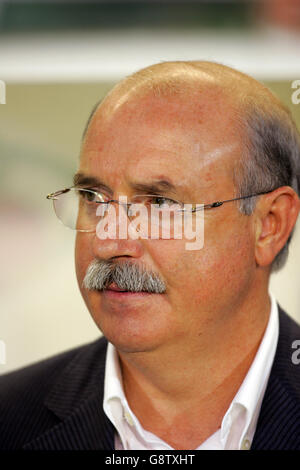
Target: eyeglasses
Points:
(81, 209)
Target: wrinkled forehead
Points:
(177, 135)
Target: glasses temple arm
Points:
(220, 203)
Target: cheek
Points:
(83, 255)
(221, 270)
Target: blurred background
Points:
(57, 59)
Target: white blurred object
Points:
(110, 55)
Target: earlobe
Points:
(277, 215)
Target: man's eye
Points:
(88, 196)
(162, 201)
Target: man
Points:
(196, 354)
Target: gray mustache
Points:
(128, 276)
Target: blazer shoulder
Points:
(23, 392)
(278, 425)
(42, 373)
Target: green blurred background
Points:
(58, 60)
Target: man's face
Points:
(193, 144)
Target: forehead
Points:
(188, 139)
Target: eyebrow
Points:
(160, 186)
(80, 179)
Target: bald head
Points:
(192, 80)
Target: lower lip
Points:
(122, 295)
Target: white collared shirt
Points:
(239, 422)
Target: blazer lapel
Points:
(278, 423)
(86, 429)
(77, 400)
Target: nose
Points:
(114, 237)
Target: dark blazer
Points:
(57, 403)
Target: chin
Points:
(131, 326)
(130, 343)
(131, 334)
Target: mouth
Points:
(115, 292)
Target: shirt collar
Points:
(116, 405)
(113, 387)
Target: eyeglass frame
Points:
(212, 205)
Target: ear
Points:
(277, 214)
